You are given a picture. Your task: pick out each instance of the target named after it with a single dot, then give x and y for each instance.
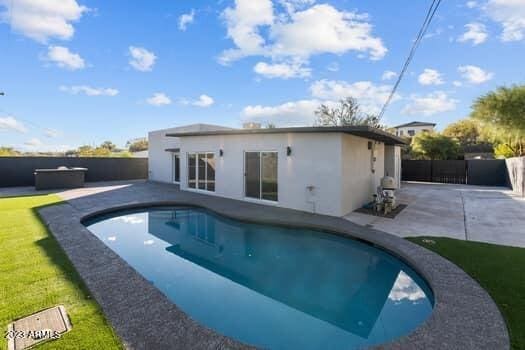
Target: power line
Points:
(426, 23)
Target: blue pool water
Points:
(272, 287)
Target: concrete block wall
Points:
(516, 172)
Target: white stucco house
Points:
(414, 128)
(326, 170)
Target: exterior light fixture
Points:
(221, 152)
(288, 151)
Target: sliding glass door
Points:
(260, 172)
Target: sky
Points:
(80, 72)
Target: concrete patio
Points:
(476, 213)
(464, 316)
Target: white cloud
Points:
(294, 113)
(243, 22)
(141, 59)
(371, 97)
(64, 58)
(129, 219)
(430, 77)
(292, 6)
(434, 103)
(388, 75)
(457, 83)
(476, 33)
(323, 29)
(51, 133)
(88, 90)
(329, 92)
(405, 288)
(10, 123)
(41, 20)
(203, 101)
(33, 143)
(471, 4)
(474, 74)
(511, 15)
(257, 30)
(185, 19)
(149, 242)
(282, 70)
(159, 99)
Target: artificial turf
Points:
(36, 274)
(498, 269)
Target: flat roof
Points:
(414, 123)
(361, 131)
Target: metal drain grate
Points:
(42, 326)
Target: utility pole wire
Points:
(426, 23)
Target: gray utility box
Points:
(62, 177)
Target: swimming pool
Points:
(269, 286)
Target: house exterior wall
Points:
(160, 162)
(315, 161)
(403, 131)
(359, 182)
(326, 173)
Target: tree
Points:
(108, 145)
(101, 152)
(346, 113)
(428, 145)
(466, 131)
(503, 151)
(8, 152)
(85, 151)
(88, 151)
(502, 117)
(137, 146)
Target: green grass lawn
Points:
(36, 274)
(498, 269)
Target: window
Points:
(201, 171)
(400, 132)
(176, 168)
(260, 172)
(411, 132)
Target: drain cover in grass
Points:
(45, 325)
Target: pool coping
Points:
(464, 315)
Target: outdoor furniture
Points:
(61, 177)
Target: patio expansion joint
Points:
(145, 311)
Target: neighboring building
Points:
(327, 170)
(413, 128)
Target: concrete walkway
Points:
(66, 194)
(464, 315)
(477, 213)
